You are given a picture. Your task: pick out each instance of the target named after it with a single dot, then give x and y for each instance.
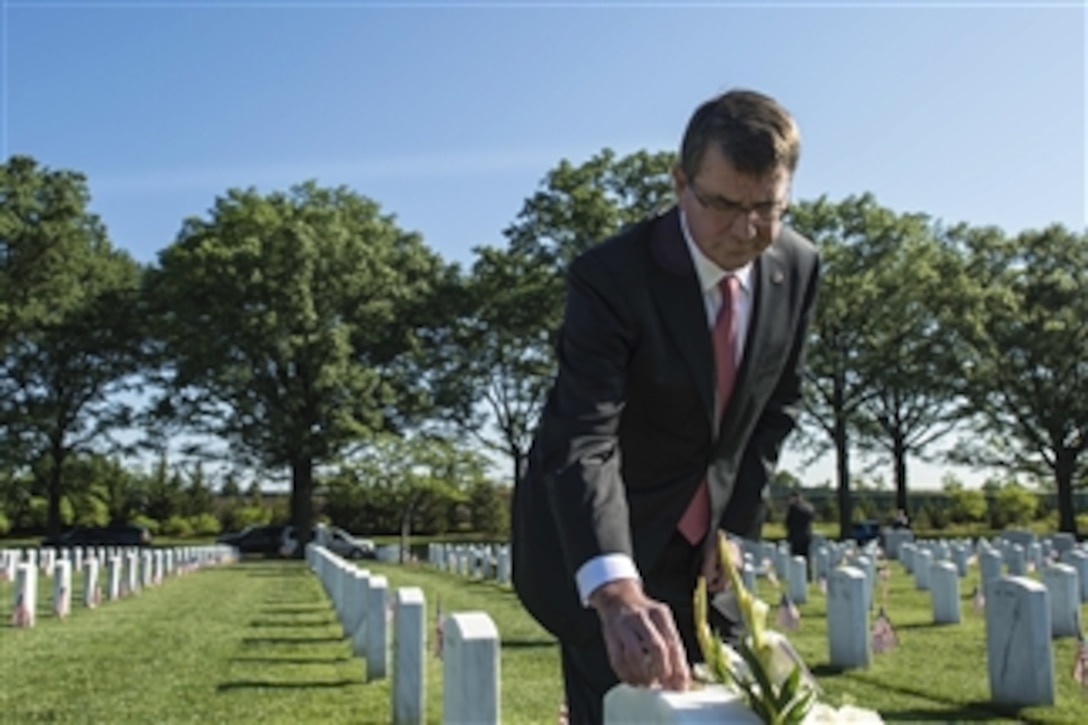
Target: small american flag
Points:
(1030, 566)
(438, 630)
(1080, 664)
(883, 635)
(20, 617)
(789, 617)
(978, 600)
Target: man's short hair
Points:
(754, 132)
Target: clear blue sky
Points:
(450, 114)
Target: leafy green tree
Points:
(1013, 505)
(198, 497)
(44, 233)
(1027, 362)
(165, 492)
(286, 322)
(882, 372)
(497, 355)
(489, 509)
(71, 354)
(850, 290)
(392, 482)
(911, 362)
(205, 525)
(965, 506)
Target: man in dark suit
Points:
(799, 517)
(680, 363)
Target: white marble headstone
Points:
(62, 588)
(1079, 561)
(1019, 654)
(944, 587)
(470, 670)
(711, 705)
(1063, 590)
(377, 634)
(906, 555)
(409, 657)
(92, 593)
(113, 577)
(797, 579)
(848, 619)
(989, 562)
(361, 601)
(1016, 560)
(25, 605)
(923, 563)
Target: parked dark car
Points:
(118, 535)
(865, 531)
(264, 539)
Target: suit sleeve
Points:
(586, 490)
(779, 415)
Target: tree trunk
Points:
(406, 530)
(520, 459)
(842, 454)
(52, 518)
(1065, 465)
(302, 503)
(900, 454)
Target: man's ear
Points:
(679, 181)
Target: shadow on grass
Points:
(272, 623)
(295, 608)
(291, 640)
(969, 713)
(278, 573)
(264, 685)
(291, 660)
(944, 710)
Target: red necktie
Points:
(696, 519)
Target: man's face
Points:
(732, 216)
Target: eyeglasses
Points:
(765, 211)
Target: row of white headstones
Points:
(1022, 615)
(128, 570)
(383, 625)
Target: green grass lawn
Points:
(257, 642)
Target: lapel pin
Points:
(776, 277)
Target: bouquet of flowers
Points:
(764, 667)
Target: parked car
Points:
(335, 539)
(263, 539)
(865, 531)
(116, 535)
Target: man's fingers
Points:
(675, 674)
(642, 645)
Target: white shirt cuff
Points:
(603, 569)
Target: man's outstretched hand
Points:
(640, 634)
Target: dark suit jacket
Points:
(628, 430)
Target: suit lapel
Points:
(680, 301)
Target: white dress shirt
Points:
(609, 567)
